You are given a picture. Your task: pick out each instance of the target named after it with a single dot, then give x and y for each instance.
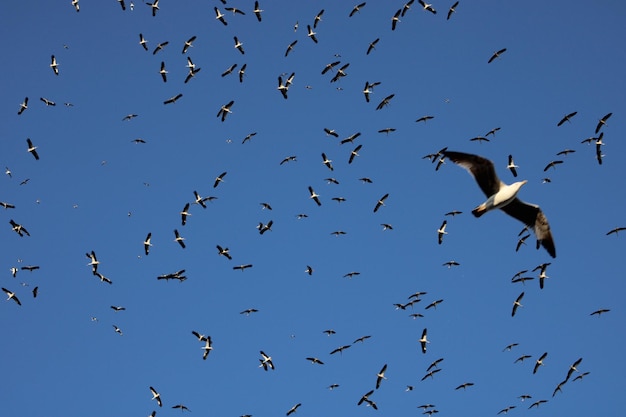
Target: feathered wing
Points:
(532, 216)
(482, 170)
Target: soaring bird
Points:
(242, 267)
(18, 228)
(424, 340)
(327, 162)
(23, 106)
(567, 118)
(356, 9)
(239, 45)
(219, 16)
(266, 362)
(372, 46)
(47, 102)
(208, 347)
(257, 11)
(293, 409)
(311, 34)
(573, 369)
(512, 167)
(147, 244)
(442, 231)
(539, 362)
(54, 65)
(179, 239)
(184, 214)
(163, 72)
(380, 376)
(517, 303)
(219, 179)
(365, 399)
(464, 385)
(385, 102)
(235, 10)
(496, 55)
(143, 42)
(380, 202)
(424, 119)
(154, 7)
(395, 19)
(32, 149)
(602, 122)
(427, 7)
(354, 153)
(290, 47)
(192, 73)
(314, 196)
(173, 99)
(156, 396)
(225, 110)
(504, 197)
(188, 44)
(160, 46)
(11, 295)
(452, 10)
(600, 312)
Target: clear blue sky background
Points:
(561, 57)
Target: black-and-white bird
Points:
(179, 239)
(156, 396)
(225, 110)
(517, 303)
(54, 65)
(452, 10)
(385, 101)
(314, 196)
(266, 361)
(424, 340)
(504, 197)
(293, 409)
(11, 296)
(567, 118)
(356, 9)
(496, 55)
(442, 231)
(143, 42)
(147, 244)
(602, 122)
(173, 99)
(512, 167)
(539, 362)
(23, 106)
(220, 16)
(160, 46)
(380, 202)
(188, 44)
(32, 149)
(311, 34)
(380, 376)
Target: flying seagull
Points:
(504, 197)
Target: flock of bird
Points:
(499, 196)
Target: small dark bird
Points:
(537, 403)
(372, 46)
(224, 252)
(18, 228)
(380, 202)
(600, 312)
(47, 102)
(23, 106)
(395, 19)
(229, 70)
(290, 47)
(464, 385)
(192, 73)
(173, 99)
(242, 267)
(234, 10)
(424, 119)
(225, 110)
(354, 153)
(509, 347)
(179, 239)
(154, 7)
(517, 304)
(423, 341)
(539, 362)
(118, 308)
(496, 55)
(293, 409)
(219, 179)
(573, 369)
(54, 65)
(314, 196)
(159, 47)
(602, 122)
(356, 9)
(552, 164)
(385, 102)
(567, 118)
(452, 10)
(340, 350)
(188, 44)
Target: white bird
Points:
(504, 197)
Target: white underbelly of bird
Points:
(504, 196)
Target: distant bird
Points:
(512, 167)
(207, 348)
(517, 303)
(380, 376)
(257, 11)
(386, 226)
(239, 45)
(537, 403)
(223, 252)
(123, 5)
(385, 102)
(219, 179)
(54, 65)
(163, 72)
(372, 46)
(362, 339)
(159, 47)
(567, 118)
(311, 34)
(521, 241)
(327, 162)
(424, 119)
(47, 102)
(182, 407)
(340, 73)
(32, 148)
(192, 73)
(118, 308)
(452, 10)
(340, 349)
(147, 244)
(504, 197)
(23, 106)
(118, 330)
(522, 358)
(442, 231)
(18, 228)
(430, 374)
(427, 7)
(492, 131)
(434, 364)
(76, 5)
(600, 312)
(266, 362)
(265, 227)
(434, 304)
(30, 268)
(552, 164)
(450, 264)
(173, 99)
(565, 152)
(352, 274)
(354, 153)
(581, 376)
(179, 239)
(506, 410)
(314, 196)
(464, 385)
(366, 180)
(156, 396)
(602, 122)
(188, 44)
(380, 202)
(496, 55)
(539, 362)
(249, 311)
(290, 47)
(154, 7)
(103, 278)
(509, 347)
(453, 213)
(129, 117)
(288, 159)
(235, 10)
(242, 72)
(225, 110)
(242, 267)
(12, 296)
(573, 369)
(293, 409)
(6, 205)
(479, 139)
(199, 336)
(356, 9)
(395, 19)
(143, 42)
(365, 399)
(219, 16)
(350, 138)
(424, 340)
(229, 70)
(35, 292)
(184, 214)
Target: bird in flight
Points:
(311, 34)
(188, 44)
(23, 106)
(496, 55)
(602, 122)
(567, 118)
(504, 197)
(173, 99)
(11, 296)
(225, 110)
(32, 148)
(356, 9)
(452, 10)
(517, 303)
(442, 231)
(380, 376)
(219, 16)
(314, 196)
(539, 362)
(54, 65)
(179, 239)
(266, 362)
(424, 340)
(156, 396)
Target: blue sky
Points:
(93, 189)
